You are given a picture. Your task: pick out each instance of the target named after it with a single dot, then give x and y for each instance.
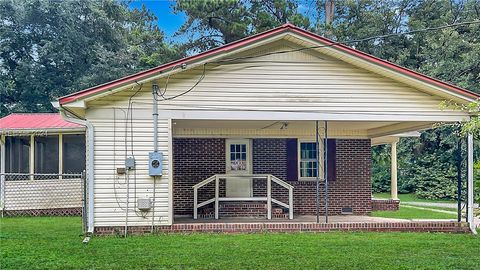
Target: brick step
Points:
(236, 209)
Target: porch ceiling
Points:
(369, 129)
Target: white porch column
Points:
(32, 156)
(393, 180)
(470, 194)
(2, 171)
(60, 155)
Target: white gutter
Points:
(90, 165)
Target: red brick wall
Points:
(196, 159)
(385, 205)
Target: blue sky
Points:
(170, 22)
(163, 9)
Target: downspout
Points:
(90, 165)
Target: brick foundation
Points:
(385, 205)
(196, 159)
(417, 226)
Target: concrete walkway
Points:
(453, 206)
(435, 204)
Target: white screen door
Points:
(239, 162)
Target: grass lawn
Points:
(407, 198)
(55, 243)
(406, 212)
(413, 213)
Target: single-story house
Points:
(278, 125)
(42, 156)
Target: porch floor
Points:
(309, 224)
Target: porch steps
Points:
(242, 209)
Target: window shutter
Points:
(332, 159)
(292, 160)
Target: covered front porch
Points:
(266, 172)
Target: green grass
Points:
(55, 243)
(413, 213)
(410, 197)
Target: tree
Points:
(51, 48)
(211, 23)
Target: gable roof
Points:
(261, 36)
(35, 121)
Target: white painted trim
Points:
(248, 142)
(2, 172)
(60, 154)
(393, 176)
(470, 186)
(320, 169)
(249, 161)
(308, 116)
(170, 173)
(32, 156)
(398, 128)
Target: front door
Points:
(239, 162)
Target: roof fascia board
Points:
(334, 50)
(398, 128)
(191, 64)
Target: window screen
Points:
(17, 152)
(46, 154)
(73, 153)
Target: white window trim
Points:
(320, 159)
(248, 142)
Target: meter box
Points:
(155, 163)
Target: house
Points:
(42, 157)
(233, 132)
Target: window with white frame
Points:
(307, 160)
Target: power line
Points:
(352, 41)
(230, 60)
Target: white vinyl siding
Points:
(110, 196)
(293, 82)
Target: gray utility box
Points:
(155, 163)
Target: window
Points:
(238, 157)
(46, 154)
(17, 152)
(308, 160)
(73, 153)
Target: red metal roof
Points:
(260, 36)
(35, 121)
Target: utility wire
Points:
(230, 60)
(351, 41)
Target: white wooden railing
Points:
(216, 199)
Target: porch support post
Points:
(217, 191)
(317, 191)
(325, 169)
(60, 155)
(2, 173)
(470, 183)
(195, 203)
(32, 156)
(269, 197)
(393, 180)
(290, 203)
